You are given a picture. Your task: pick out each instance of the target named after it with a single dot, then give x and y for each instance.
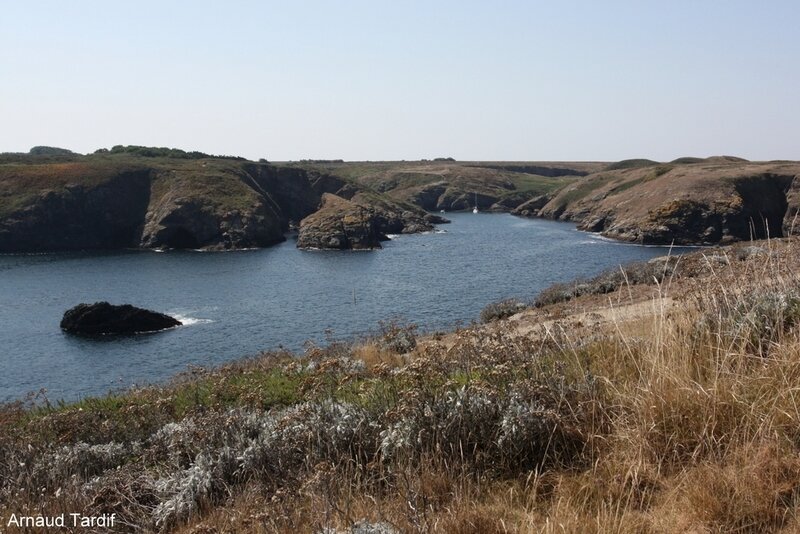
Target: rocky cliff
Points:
(340, 224)
(85, 208)
(162, 198)
(111, 201)
(704, 202)
(458, 186)
(360, 223)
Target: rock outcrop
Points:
(66, 201)
(103, 202)
(102, 318)
(718, 200)
(531, 207)
(340, 225)
(212, 212)
(104, 212)
(360, 223)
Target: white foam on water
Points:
(190, 321)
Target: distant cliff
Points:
(718, 200)
(126, 200)
(143, 197)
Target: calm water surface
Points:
(240, 303)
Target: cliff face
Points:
(216, 209)
(78, 215)
(102, 204)
(106, 202)
(339, 225)
(709, 202)
(454, 186)
(360, 223)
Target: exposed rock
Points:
(432, 218)
(511, 201)
(457, 199)
(193, 224)
(99, 202)
(715, 201)
(427, 197)
(102, 318)
(531, 207)
(78, 216)
(360, 223)
(340, 224)
(294, 193)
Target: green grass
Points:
(539, 185)
(585, 188)
(135, 414)
(21, 184)
(630, 164)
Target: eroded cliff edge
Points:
(108, 201)
(718, 200)
(123, 199)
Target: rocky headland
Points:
(359, 223)
(687, 201)
(132, 197)
(712, 201)
(137, 197)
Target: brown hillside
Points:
(716, 200)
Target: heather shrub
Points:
(652, 272)
(501, 309)
(398, 337)
(755, 321)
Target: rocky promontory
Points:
(718, 200)
(102, 318)
(138, 197)
(360, 223)
(340, 224)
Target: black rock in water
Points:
(104, 318)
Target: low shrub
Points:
(501, 310)
(755, 321)
(646, 273)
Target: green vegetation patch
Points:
(159, 152)
(22, 184)
(220, 184)
(631, 164)
(584, 188)
(539, 185)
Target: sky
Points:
(391, 80)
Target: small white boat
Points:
(475, 209)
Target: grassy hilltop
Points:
(661, 397)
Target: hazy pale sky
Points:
(500, 80)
